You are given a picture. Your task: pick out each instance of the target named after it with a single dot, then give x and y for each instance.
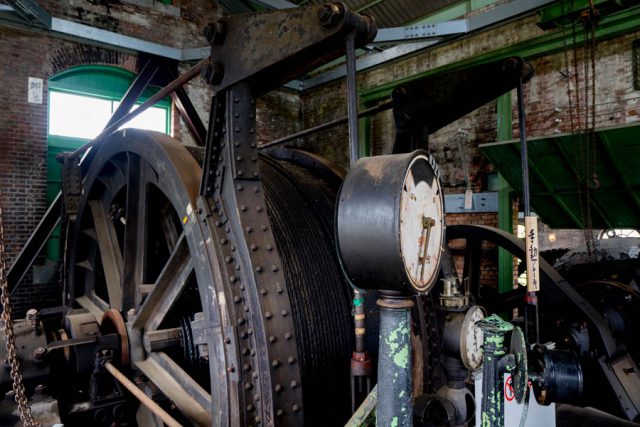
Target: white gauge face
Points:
(421, 224)
(471, 338)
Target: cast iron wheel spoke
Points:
(192, 400)
(170, 233)
(135, 230)
(110, 254)
(168, 287)
(94, 305)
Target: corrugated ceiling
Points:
(392, 13)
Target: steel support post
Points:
(395, 401)
(531, 299)
(495, 331)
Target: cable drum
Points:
(301, 207)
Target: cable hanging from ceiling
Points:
(582, 109)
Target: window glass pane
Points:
(77, 116)
(153, 118)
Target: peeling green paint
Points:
(495, 330)
(401, 358)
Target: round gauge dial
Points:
(421, 224)
(471, 338)
(390, 223)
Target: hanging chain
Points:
(12, 352)
(590, 178)
(582, 115)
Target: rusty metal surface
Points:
(423, 106)
(265, 340)
(320, 298)
(270, 49)
(128, 163)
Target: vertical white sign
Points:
(35, 90)
(531, 247)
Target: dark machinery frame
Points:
(246, 320)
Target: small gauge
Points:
(390, 224)
(471, 337)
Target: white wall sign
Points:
(536, 416)
(35, 90)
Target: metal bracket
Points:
(624, 377)
(423, 31)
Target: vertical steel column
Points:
(504, 130)
(531, 299)
(395, 402)
(495, 330)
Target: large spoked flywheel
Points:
(147, 262)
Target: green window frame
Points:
(94, 81)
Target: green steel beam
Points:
(571, 166)
(618, 168)
(620, 23)
(365, 136)
(567, 11)
(368, 5)
(445, 14)
(554, 195)
(504, 116)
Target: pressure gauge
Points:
(471, 338)
(390, 223)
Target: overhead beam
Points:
(433, 34)
(234, 6)
(276, 4)
(32, 12)
(87, 32)
(368, 5)
(63, 28)
(493, 16)
(423, 31)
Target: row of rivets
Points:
(259, 269)
(241, 320)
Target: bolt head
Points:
(329, 15)
(215, 32)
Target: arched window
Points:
(81, 101)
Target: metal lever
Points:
(352, 98)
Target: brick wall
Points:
(321, 105)
(23, 144)
(457, 144)
(617, 103)
(178, 26)
(23, 126)
(489, 263)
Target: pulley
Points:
(556, 375)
